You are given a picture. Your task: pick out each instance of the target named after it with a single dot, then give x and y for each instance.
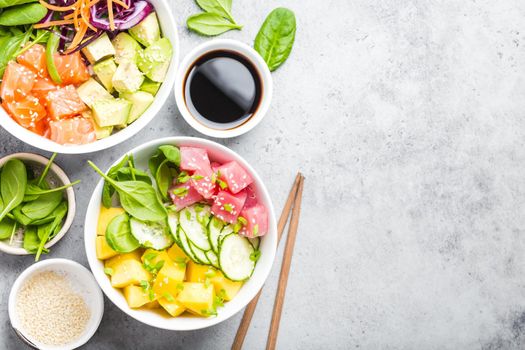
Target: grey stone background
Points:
(408, 120)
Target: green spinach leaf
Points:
(276, 37)
(13, 185)
(10, 47)
(34, 190)
(171, 153)
(118, 235)
(164, 179)
(210, 24)
(125, 174)
(31, 241)
(219, 7)
(47, 231)
(108, 190)
(8, 3)
(22, 14)
(6, 228)
(43, 206)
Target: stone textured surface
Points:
(408, 120)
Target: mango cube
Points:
(169, 279)
(177, 254)
(199, 273)
(105, 216)
(104, 251)
(152, 256)
(225, 288)
(128, 271)
(197, 297)
(172, 307)
(136, 296)
(134, 255)
(152, 305)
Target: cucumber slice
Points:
(214, 232)
(225, 232)
(173, 223)
(212, 257)
(234, 257)
(256, 242)
(199, 254)
(193, 221)
(185, 244)
(151, 234)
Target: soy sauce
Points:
(222, 89)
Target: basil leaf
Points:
(118, 235)
(12, 185)
(171, 153)
(163, 178)
(6, 228)
(8, 3)
(276, 37)
(210, 24)
(22, 14)
(138, 198)
(221, 7)
(43, 206)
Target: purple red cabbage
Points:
(123, 18)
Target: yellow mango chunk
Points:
(225, 288)
(105, 216)
(198, 273)
(169, 279)
(172, 307)
(136, 296)
(197, 297)
(128, 271)
(104, 251)
(154, 256)
(134, 255)
(177, 255)
(152, 305)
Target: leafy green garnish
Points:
(255, 255)
(168, 297)
(108, 271)
(255, 230)
(180, 191)
(228, 207)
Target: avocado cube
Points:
(127, 272)
(150, 86)
(99, 49)
(105, 71)
(126, 48)
(104, 251)
(105, 216)
(197, 297)
(110, 112)
(136, 296)
(154, 61)
(127, 77)
(140, 101)
(172, 307)
(147, 31)
(91, 91)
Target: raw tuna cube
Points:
(215, 166)
(235, 176)
(193, 159)
(251, 200)
(227, 206)
(256, 221)
(202, 181)
(183, 195)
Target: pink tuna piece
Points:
(227, 206)
(235, 176)
(251, 200)
(190, 196)
(193, 159)
(256, 221)
(215, 166)
(204, 184)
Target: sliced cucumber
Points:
(173, 223)
(199, 254)
(235, 257)
(212, 257)
(151, 234)
(214, 232)
(255, 241)
(193, 221)
(185, 244)
(225, 232)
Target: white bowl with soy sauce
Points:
(223, 88)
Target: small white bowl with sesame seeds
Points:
(169, 31)
(268, 246)
(70, 315)
(57, 177)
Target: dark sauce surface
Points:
(222, 89)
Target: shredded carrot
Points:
(123, 4)
(57, 8)
(70, 16)
(84, 12)
(110, 15)
(53, 23)
(78, 38)
(76, 15)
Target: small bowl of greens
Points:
(37, 204)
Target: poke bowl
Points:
(74, 91)
(187, 247)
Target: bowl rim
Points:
(227, 45)
(95, 204)
(70, 195)
(81, 272)
(167, 26)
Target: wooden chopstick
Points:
(285, 270)
(250, 309)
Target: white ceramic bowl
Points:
(253, 57)
(82, 282)
(60, 178)
(169, 30)
(268, 247)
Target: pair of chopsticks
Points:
(294, 200)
